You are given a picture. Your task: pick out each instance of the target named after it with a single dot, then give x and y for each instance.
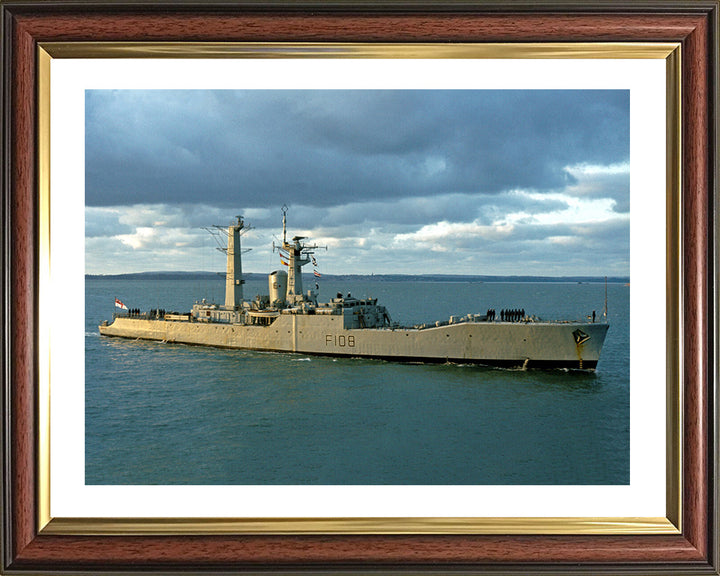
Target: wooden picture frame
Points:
(28, 548)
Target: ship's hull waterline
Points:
(572, 345)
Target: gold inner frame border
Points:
(670, 524)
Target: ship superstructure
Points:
(289, 319)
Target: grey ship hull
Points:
(508, 344)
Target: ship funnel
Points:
(277, 287)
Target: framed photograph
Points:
(535, 178)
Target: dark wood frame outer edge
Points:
(26, 23)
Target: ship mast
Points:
(298, 255)
(233, 275)
(605, 311)
(284, 211)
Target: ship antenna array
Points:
(220, 234)
(284, 213)
(305, 249)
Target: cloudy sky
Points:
(391, 181)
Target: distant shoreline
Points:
(371, 277)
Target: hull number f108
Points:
(339, 340)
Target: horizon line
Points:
(368, 274)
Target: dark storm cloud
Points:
(401, 214)
(249, 149)
(613, 183)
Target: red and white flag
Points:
(119, 304)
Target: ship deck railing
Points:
(150, 316)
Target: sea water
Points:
(161, 413)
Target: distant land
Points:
(371, 277)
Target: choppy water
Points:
(159, 413)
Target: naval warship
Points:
(289, 320)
